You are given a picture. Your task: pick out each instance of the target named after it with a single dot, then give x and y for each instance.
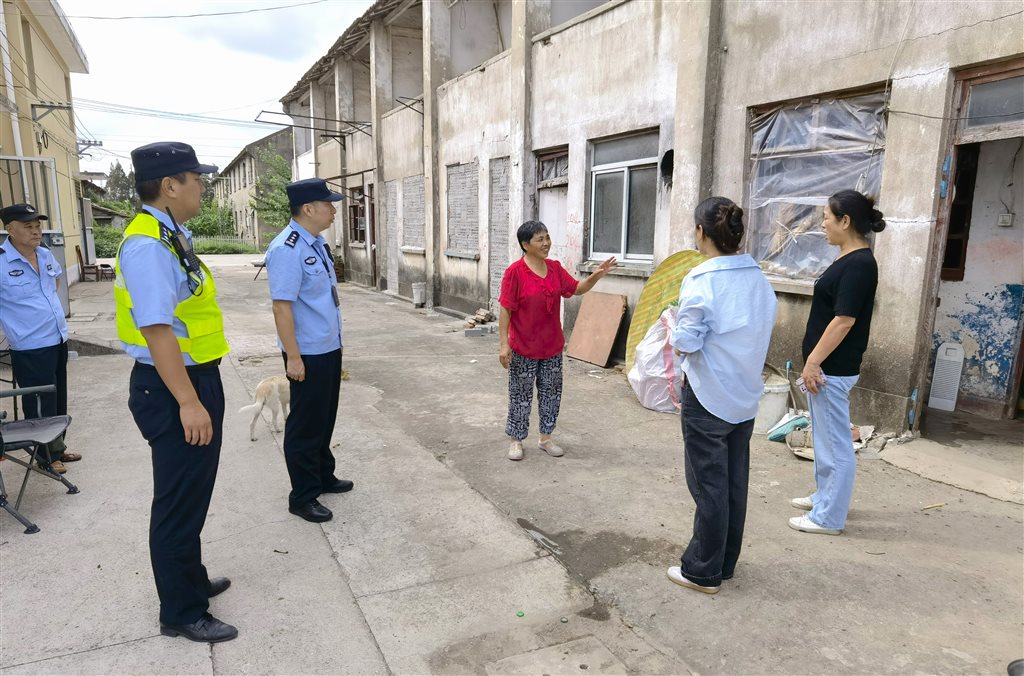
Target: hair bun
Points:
(877, 221)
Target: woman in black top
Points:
(834, 342)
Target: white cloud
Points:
(229, 66)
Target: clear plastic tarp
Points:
(800, 155)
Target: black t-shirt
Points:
(846, 288)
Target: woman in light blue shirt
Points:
(724, 324)
(32, 317)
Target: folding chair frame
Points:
(30, 466)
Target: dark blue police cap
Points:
(311, 190)
(166, 158)
(21, 212)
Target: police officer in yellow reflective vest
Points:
(169, 321)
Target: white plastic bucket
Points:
(773, 405)
(419, 294)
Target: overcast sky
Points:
(227, 66)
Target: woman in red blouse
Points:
(531, 334)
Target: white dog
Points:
(273, 392)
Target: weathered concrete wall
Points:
(473, 126)
(770, 45)
(403, 172)
(475, 34)
(407, 64)
(983, 312)
(403, 143)
(360, 92)
(580, 93)
(564, 10)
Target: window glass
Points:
(608, 212)
(995, 102)
(640, 146)
(643, 187)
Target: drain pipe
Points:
(5, 47)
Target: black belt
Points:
(194, 367)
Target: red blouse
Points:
(533, 301)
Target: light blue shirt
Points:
(30, 310)
(156, 283)
(724, 324)
(302, 273)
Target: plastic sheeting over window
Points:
(800, 155)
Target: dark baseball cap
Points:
(311, 190)
(21, 212)
(166, 158)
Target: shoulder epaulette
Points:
(292, 239)
(2, 250)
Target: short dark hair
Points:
(150, 190)
(527, 230)
(860, 208)
(296, 209)
(721, 219)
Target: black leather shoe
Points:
(339, 486)
(216, 586)
(312, 511)
(207, 629)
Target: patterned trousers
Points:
(522, 373)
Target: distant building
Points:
(236, 184)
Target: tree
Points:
(118, 187)
(121, 187)
(269, 199)
(212, 221)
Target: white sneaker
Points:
(802, 503)
(676, 576)
(805, 525)
(515, 451)
(551, 448)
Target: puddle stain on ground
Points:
(591, 554)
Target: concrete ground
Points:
(431, 559)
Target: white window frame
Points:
(624, 168)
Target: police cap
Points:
(166, 158)
(310, 190)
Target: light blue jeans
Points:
(835, 463)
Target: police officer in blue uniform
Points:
(169, 322)
(308, 320)
(33, 319)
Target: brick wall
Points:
(464, 207)
(497, 224)
(414, 217)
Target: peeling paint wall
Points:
(983, 312)
(759, 68)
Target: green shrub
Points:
(223, 248)
(107, 240)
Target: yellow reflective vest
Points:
(199, 312)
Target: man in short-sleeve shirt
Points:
(32, 317)
(305, 298)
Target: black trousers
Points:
(44, 366)
(717, 470)
(310, 424)
(183, 479)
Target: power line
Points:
(253, 10)
(105, 107)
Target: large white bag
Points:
(656, 375)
